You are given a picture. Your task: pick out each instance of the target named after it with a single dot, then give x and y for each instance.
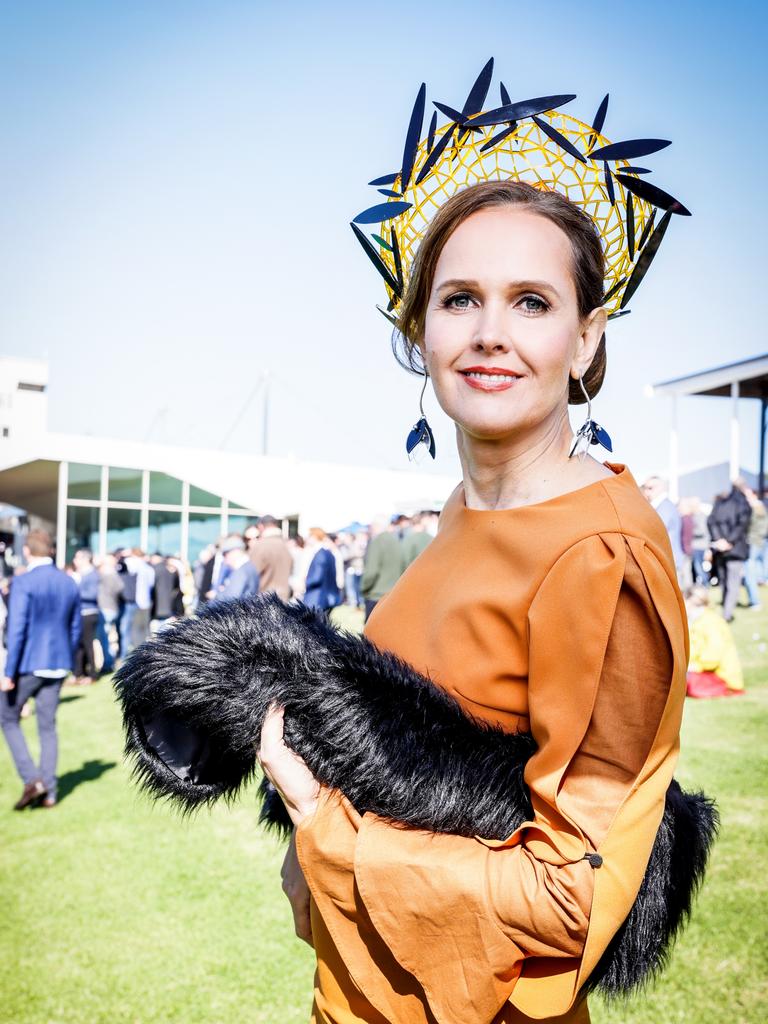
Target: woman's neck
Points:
(523, 470)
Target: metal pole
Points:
(265, 411)
(735, 461)
(61, 516)
(674, 453)
(763, 426)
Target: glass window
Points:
(197, 496)
(123, 528)
(204, 529)
(124, 484)
(239, 523)
(84, 481)
(164, 489)
(164, 533)
(82, 530)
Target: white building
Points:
(106, 493)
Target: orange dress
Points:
(563, 618)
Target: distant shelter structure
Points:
(747, 378)
(106, 493)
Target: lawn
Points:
(117, 912)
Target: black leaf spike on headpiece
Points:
(599, 121)
(609, 184)
(376, 260)
(630, 150)
(479, 91)
(412, 138)
(431, 134)
(380, 212)
(646, 258)
(398, 264)
(631, 227)
(496, 139)
(385, 179)
(562, 142)
(517, 111)
(653, 194)
(612, 291)
(646, 230)
(434, 156)
(455, 116)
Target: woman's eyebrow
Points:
(534, 286)
(457, 282)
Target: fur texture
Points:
(195, 697)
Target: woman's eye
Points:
(458, 301)
(533, 304)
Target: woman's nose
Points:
(492, 334)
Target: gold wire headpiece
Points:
(530, 141)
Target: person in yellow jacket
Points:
(714, 669)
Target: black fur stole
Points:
(194, 699)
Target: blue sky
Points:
(176, 182)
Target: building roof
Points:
(750, 374)
(324, 493)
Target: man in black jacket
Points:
(728, 524)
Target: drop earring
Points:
(589, 432)
(421, 433)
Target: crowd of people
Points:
(356, 567)
(81, 623)
(723, 544)
(126, 595)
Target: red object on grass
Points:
(708, 684)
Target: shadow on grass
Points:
(88, 772)
(68, 697)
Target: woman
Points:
(714, 668)
(548, 601)
(321, 585)
(87, 579)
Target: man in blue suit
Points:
(43, 635)
(655, 491)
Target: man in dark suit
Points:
(43, 634)
(728, 527)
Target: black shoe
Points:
(32, 791)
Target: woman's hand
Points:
(296, 889)
(297, 786)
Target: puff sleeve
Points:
(481, 929)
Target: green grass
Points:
(116, 912)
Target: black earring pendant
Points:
(590, 432)
(421, 432)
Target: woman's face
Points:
(502, 332)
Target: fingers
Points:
(273, 728)
(303, 927)
(271, 742)
(295, 888)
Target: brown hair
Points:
(39, 543)
(588, 266)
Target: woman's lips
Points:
(489, 379)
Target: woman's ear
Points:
(592, 331)
(421, 349)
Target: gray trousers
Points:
(46, 694)
(733, 570)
